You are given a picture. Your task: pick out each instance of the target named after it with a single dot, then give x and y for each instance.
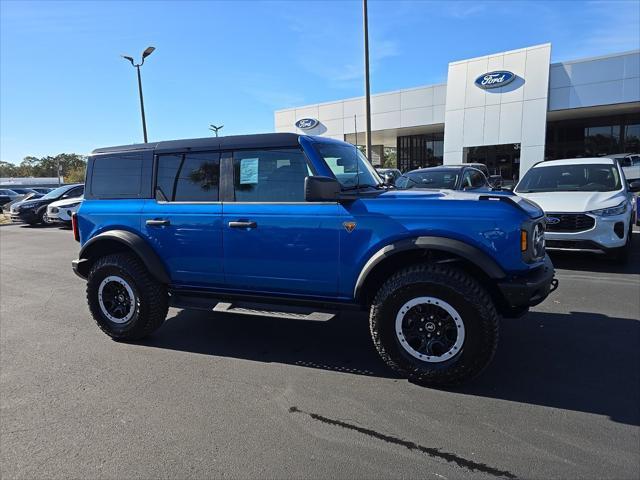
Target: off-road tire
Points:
(151, 299)
(462, 292)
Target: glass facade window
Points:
(503, 160)
(632, 138)
(593, 137)
(420, 151)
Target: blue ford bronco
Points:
(295, 226)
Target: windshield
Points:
(57, 192)
(428, 179)
(349, 165)
(571, 178)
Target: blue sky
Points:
(64, 87)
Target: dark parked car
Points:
(42, 190)
(7, 196)
(25, 191)
(461, 177)
(33, 210)
(283, 224)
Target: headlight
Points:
(532, 241)
(73, 205)
(22, 208)
(608, 212)
(537, 241)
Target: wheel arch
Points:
(404, 253)
(116, 241)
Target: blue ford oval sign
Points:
(306, 123)
(495, 79)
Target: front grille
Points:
(569, 222)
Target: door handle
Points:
(158, 223)
(240, 224)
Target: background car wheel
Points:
(126, 302)
(434, 324)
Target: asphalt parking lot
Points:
(212, 395)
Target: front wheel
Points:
(434, 324)
(126, 302)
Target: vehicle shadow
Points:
(580, 361)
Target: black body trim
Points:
(180, 297)
(130, 240)
(264, 140)
(461, 249)
(530, 289)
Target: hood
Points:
(575, 202)
(531, 209)
(29, 202)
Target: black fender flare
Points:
(131, 240)
(461, 249)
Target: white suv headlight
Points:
(608, 212)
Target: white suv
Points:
(62, 210)
(588, 203)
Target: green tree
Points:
(71, 164)
(390, 159)
(8, 169)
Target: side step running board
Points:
(256, 310)
(288, 312)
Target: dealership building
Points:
(508, 110)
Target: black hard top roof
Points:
(262, 140)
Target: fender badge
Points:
(349, 226)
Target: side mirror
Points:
(634, 186)
(321, 189)
(508, 187)
(389, 179)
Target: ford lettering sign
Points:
(553, 220)
(495, 79)
(306, 123)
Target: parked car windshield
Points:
(571, 178)
(428, 179)
(349, 165)
(56, 193)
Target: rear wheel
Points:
(126, 302)
(434, 324)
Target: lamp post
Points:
(367, 89)
(148, 51)
(215, 129)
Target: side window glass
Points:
(477, 179)
(190, 177)
(466, 179)
(270, 175)
(117, 175)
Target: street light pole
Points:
(215, 129)
(144, 120)
(367, 90)
(148, 51)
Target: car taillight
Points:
(74, 226)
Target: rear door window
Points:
(189, 177)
